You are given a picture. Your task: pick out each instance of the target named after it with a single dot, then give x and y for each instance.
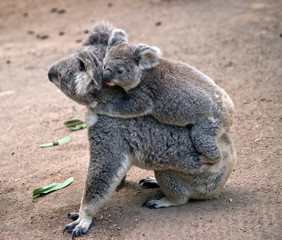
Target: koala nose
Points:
(52, 73)
(107, 76)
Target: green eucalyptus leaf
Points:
(61, 141)
(75, 124)
(52, 187)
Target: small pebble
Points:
(30, 32)
(8, 61)
(53, 10)
(62, 11)
(78, 40)
(86, 31)
(158, 23)
(230, 200)
(25, 14)
(44, 37)
(61, 33)
(110, 4)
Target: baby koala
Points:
(171, 91)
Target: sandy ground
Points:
(237, 43)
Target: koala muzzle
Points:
(52, 74)
(107, 76)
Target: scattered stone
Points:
(42, 37)
(86, 31)
(229, 64)
(110, 4)
(25, 14)
(53, 10)
(257, 140)
(13, 153)
(158, 23)
(8, 61)
(30, 32)
(62, 11)
(230, 200)
(78, 41)
(281, 35)
(61, 33)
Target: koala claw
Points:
(149, 183)
(73, 216)
(78, 227)
(69, 227)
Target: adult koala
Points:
(117, 144)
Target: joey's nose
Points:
(107, 76)
(52, 73)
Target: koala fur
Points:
(171, 91)
(117, 143)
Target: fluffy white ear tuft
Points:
(118, 36)
(147, 56)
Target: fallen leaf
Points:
(52, 187)
(61, 141)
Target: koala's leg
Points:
(75, 215)
(106, 171)
(172, 185)
(204, 135)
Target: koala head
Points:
(79, 75)
(123, 63)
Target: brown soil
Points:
(237, 43)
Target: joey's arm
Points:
(133, 104)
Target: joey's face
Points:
(120, 68)
(78, 75)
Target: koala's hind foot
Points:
(204, 136)
(149, 183)
(162, 203)
(172, 185)
(78, 227)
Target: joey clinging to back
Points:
(171, 91)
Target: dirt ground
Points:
(237, 43)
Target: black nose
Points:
(107, 76)
(52, 73)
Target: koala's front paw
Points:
(78, 227)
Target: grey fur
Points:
(172, 92)
(116, 144)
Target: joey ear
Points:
(147, 56)
(118, 36)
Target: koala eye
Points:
(120, 71)
(82, 67)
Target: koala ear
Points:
(118, 36)
(147, 56)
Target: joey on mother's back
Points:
(171, 91)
